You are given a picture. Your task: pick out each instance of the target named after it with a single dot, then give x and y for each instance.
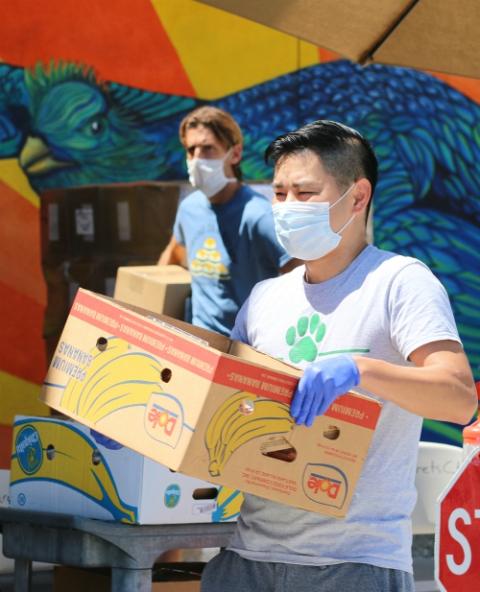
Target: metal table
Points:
(129, 550)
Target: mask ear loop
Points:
(343, 195)
(348, 222)
(228, 153)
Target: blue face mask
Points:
(303, 228)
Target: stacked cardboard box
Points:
(88, 232)
(162, 289)
(64, 467)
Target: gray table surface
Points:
(129, 550)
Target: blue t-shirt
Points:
(230, 247)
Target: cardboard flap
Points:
(209, 338)
(164, 274)
(250, 354)
(256, 373)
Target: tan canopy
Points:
(440, 35)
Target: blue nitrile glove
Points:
(321, 383)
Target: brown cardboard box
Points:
(162, 289)
(192, 586)
(73, 579)
(140, 218)
(54, 235)
(205, 406)
(125, 220)
(63, 280)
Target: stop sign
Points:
(457, 530)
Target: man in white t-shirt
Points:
(352, 317)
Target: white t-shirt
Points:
(382, 306)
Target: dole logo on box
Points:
(325, 484)
(164, 418)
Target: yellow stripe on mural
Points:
(223, 53)
(19, 397)
(12, 175)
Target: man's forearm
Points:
(173, 254)
(444, 391)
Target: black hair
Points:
(343, 151)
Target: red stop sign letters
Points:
(457, 532)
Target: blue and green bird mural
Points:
(68, 129)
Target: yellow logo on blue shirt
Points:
(208, 262)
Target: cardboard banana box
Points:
(65, 467)
(205, 406)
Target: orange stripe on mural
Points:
(21, 346)
(20, 259)
(326, 55)
(123, 40)
(470, 87)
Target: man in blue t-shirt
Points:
(224, 232)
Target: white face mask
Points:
(303, 228)
(207, 174)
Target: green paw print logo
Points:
(304, 338)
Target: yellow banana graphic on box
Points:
(238, 420)
(229, 502)
(115, 378)
(221, 416)
(60, 453)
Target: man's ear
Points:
(362, 195)
(237, 151)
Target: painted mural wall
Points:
(93, 96)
